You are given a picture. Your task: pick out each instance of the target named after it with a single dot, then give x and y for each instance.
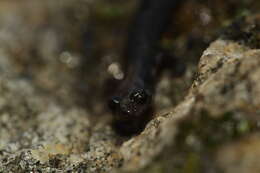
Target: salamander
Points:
(132, 102)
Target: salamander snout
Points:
(130, 104)
(132, 110)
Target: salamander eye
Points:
(114, 103)
(139, 97)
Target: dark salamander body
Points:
(132, 101)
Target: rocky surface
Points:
(221, 108)
(43, 128)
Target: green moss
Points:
(192, 164)
(112, 11)
(210, 132)
(245, 31)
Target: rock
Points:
(221, 110)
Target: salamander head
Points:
(131, 104)
(131, 110)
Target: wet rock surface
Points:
(214, 126)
